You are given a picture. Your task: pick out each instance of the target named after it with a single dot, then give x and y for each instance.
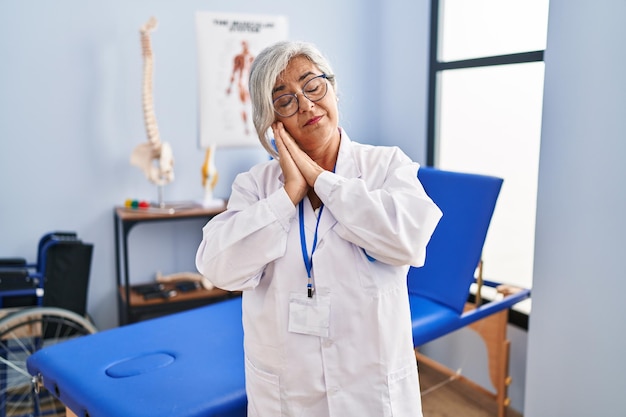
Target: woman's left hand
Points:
(308, 167)
(295, 183)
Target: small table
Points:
(131, 306)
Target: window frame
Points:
(436, 67)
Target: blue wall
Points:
(70, 113)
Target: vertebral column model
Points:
(154, 157)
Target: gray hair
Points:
(266, 68)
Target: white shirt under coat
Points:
(374, 204)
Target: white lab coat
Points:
(374, 206)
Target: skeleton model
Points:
(154, 157)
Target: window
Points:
(485, 106)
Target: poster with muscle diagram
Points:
(227, 45)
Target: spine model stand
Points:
(209, 178)
(153, 157)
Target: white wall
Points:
(70, 113)
(576, 341)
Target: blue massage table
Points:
(187, 364)
(191, 364)
(439, 290)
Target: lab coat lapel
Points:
(346, 167)
(326, 223)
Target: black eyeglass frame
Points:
(295, 95)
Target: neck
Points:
(326, 155)
(314, 199)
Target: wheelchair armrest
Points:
(12, 262)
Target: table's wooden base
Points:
(493, 330)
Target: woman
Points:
(319, 240)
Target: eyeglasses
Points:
(314, 90)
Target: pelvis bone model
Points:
(153, 157)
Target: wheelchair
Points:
(41, 304)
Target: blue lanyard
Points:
(308, 261)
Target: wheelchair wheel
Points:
(23, 333)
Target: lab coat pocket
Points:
(263, 391)
(404, 392)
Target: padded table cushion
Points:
(189, 364)
(430, 319)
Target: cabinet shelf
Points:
(131, 306)
(141, 309)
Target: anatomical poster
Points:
(227, 46)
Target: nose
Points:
(304, 104)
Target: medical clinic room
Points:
(375, 208)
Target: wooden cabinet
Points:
(132, 306)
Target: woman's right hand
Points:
(295, 183)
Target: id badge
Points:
(309, 315)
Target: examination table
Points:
(191, 364)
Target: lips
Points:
(313, 120)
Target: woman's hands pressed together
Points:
(299, 170)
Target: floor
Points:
(444, 398)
